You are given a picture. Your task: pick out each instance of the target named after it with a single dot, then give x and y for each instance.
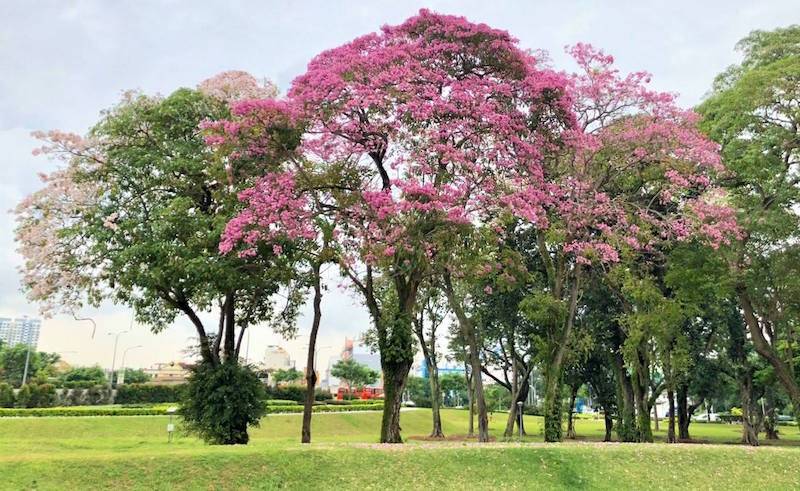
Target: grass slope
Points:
(132, 453)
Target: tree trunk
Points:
(395, 375)
(471, 338)
(770, 416)
(684, 418)
(436, 399)
(470, 400)
(784, 372)
(609, 425)
(749, 431)
(552, 394)
(570, 419)
(671, 426)
(552, 405)
(641, 384)
(626, 427)
(655, 416)
(229, 346)
(311, 369)
(429, 354)
(520, 394)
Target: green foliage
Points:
(23, 396)
(42, 395)
(134, 376)
(6, 395)
(221, 402)
(286, 375)
(353, 373)
(295, 393)
(83, 377)
(94, 396)
(143, 393)
(419, 391)
(12, 363)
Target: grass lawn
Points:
(132, 453)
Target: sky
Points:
(62, 62)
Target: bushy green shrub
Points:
(76, 397)
(220, 402)
(6, 395)
(42, 395)
(295, 393)
(322, 395)
(23, 396)
(94, 396)
(145, 393)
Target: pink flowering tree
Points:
(283, 213)
(635, 173)
(426, 122)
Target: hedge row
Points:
(280, 402)
(378, 406)
(83, 411)
(146, 393)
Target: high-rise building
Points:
(22, 330)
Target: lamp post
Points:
(122, 365)
(519, 411)
(114, 357)
(27, 360)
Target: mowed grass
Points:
(133, 453)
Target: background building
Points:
(277, 358)
(22, 330)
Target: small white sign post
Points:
(170, 424)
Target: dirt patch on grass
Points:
(448, 438)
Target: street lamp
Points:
(122, 365)
(114, 358)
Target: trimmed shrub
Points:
(23, 396)
(94, 396)
(146, 393)
(221, 402)
(43, 395)
(295, 393)
(6, 395)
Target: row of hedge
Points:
(147, 393)
(162, 410)
(375, 406)
(83, 411)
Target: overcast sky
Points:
(62, 62)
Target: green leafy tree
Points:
(752, 112)
(291, 375)
(12, 363)
(140, 222)
(354, 373)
